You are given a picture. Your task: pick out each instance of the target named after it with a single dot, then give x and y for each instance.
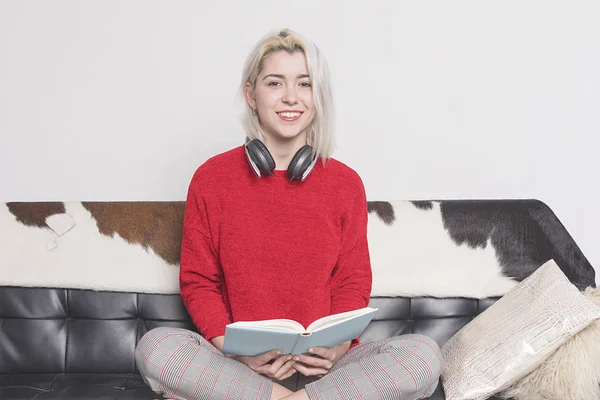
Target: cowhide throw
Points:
(476, 248)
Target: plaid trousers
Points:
(180, 364)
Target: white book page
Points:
(336, 318)
(274, 324)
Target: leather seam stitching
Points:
(67, 334)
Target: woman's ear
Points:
(249, 95)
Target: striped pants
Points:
(181, 364)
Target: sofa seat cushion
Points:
(74, 386)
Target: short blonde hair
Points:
(321, 131)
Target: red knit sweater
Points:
(255, 249)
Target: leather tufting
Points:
(65, 343)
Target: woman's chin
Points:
(287, 136)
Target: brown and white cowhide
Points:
(440, 248)
(120, 246)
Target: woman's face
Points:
(283, 96)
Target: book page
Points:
(274, 324)
(330, 320)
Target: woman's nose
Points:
(290, 95)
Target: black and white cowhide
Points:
(471, 248)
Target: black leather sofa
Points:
(59, 343)
(79, 344)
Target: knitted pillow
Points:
(515, 335)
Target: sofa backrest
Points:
(80, 282)
(46, 330)
(466, 248)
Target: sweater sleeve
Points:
(200, 275)
(352, 277)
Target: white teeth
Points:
(290, 114)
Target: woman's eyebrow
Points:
(280, 76)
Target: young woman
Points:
(277, 228)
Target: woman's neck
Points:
(283, 150)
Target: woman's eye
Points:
(274, 83)
(305, 84)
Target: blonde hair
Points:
(321, 130)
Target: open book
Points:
(258, 337)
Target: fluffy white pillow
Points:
(515, 335)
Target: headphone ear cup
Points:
(301, 164)
(260, 157)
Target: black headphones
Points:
(262, 162)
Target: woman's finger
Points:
(314, 361)
(323, 352)
(285, 368)
(309, 371)
(271, 369)
(291, 372)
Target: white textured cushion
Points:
(572, 372)
(515, 335)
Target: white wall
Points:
(122, 100)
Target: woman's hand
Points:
(280, 369)
(322, 360)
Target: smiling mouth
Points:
(289, 116)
